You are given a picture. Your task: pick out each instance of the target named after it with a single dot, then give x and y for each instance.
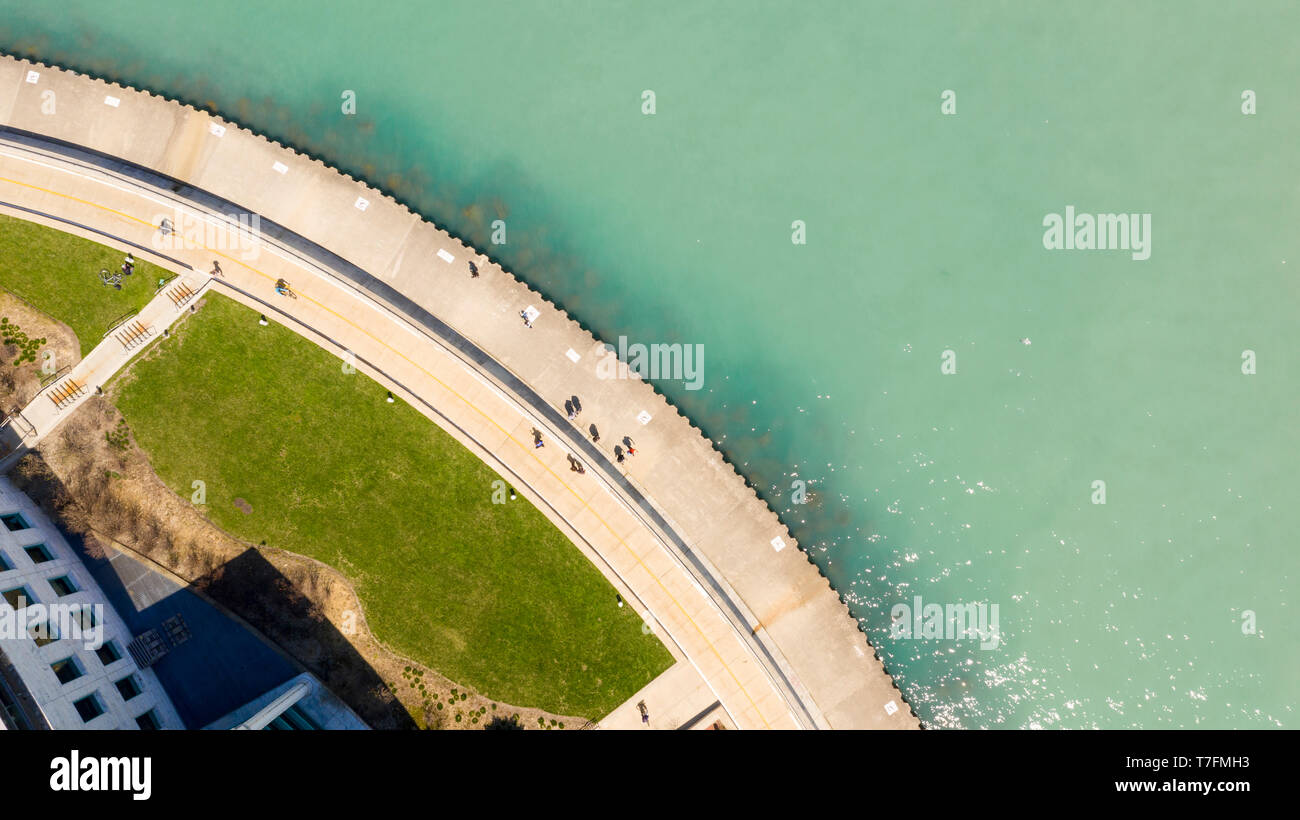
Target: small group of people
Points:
(128, 265)
(573, 409)
(620, 453)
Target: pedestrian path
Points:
(59, 399)
(677, 699)
(679, 533)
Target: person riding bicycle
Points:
(282, 287)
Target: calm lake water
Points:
(924, 234)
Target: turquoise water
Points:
(924, 234)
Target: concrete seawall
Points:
(681, 492)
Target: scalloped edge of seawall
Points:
(662, 400)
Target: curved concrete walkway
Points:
(705, 561)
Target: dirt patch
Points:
(244, 506)
(92, 479)
(20, 383)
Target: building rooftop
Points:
(169, 658)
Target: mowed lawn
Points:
(58, 273)
(491, 595)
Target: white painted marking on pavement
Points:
(446, 257)
(33, 76)
(113, 101)
(573, 355)
(362, 203)
(778, 544)
(643, 417)
(280, 168)
(218, 130)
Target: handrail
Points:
(49, 378)
(164, 282)
(15, 416)
(118, 322)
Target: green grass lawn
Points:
(490, 595)
(58, 273)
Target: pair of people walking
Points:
(620, 454)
